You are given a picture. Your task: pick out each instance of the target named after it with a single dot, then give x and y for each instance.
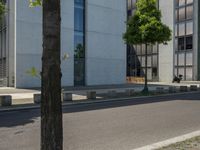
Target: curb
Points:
(36, 106)
(170, 141)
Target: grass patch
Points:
(190, 144)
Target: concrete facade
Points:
(105, 49)
(166, 52)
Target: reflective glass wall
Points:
(136, 55)
(184, 39)
(79, 42)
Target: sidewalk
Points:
(25, 96)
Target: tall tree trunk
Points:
(51, 107)
(145, 90)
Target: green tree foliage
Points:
(2, 9)
(34, 3)
(145, 26)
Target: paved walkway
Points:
(25, 96)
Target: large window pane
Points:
(176, 15)
(143, 61)
(189, 1)
(181, 59)
(181, 29)
(189, 73)
(189, 58)
(149, 74)
(182, 14)
(176, 30)
(149, 61)
(181, 43)
(189, 43)
(181, 2)
(189, 28)
(176, 44)
(155, 48)
(78, 19)
(189, 12)
(155, 61)
(143, 49)
(181, 71)
(175, 60)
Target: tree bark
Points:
(145, 90)
(51, 106)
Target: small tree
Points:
(145, 27)
(2, 9)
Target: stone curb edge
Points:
(170, 141)
(36, 106)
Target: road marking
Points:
(170, 141)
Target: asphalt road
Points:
(119, 125)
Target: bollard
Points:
(5, 100)
(112, 93)
(67, 96)
(183, 88)
(91, 94)
(129, 92)
(159, 90)
(172, 89)
(37, 98)
(193, 88)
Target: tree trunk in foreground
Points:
(51, 109)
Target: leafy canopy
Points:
(145, 26)
(34, 3)
(2, 8)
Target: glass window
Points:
(149, 48)
(181, 72)
(143, 61)
(176, 15)
(189, 73)
(181, 14)
(176, 44)
(78, 19)
(138, 49)
(189, 59)
(181, 2)
(181, 29)
(176, 30)
(149, 74)
(133, 3)
(129, 4)
(155, 48)
(143, 49)
(189, 28)
(175, 60)
(189, 12)
(149, 61)
(181, 59)
(181, 43)
(155, 61)
(189, 1)
(154, 72)
(189, 42)
(176, 3)
(80, 2)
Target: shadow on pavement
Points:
(23, 117)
